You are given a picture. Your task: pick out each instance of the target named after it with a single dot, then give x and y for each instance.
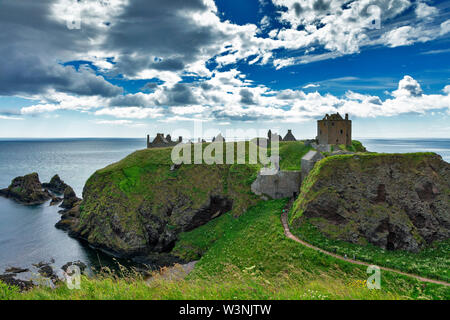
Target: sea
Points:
(28, 234)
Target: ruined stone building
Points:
(289, 136)
(333, 129)
(219, 138)
(161, 141)
(274, 136)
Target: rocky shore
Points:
(27, 190)
(42, 273)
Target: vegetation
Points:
(291, 154)
(146, 179)
(241, 256)
(341, 163)
(431, 262)
(248, 258)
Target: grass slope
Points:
(432, 262)
(248, 258)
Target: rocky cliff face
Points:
(27, 190)
(56, 185)
(139, 205)
(390, 200)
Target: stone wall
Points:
(283, 184)
(309, 160)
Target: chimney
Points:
(346, 116)
(180, 138)
(148, 140)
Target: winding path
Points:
(287, 233)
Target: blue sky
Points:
(126, 69)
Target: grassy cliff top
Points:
(290, 154)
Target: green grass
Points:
(241, 256)
(291, 154)
(248, 258)
(432, 262)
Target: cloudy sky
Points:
(125, 68)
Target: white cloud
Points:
(3, 117)
(401, 36)
(265, 22)
(446, 89)
(445, 27)
(130, 112)
(425, 11)
(408, 87)
(53, 101)
(122, 122)
(311, 85)
(229, 96)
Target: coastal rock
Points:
(70, 199)
(55, 201)
(392, 201)
(56, 185)
(46, 271)
(69, 220)
(77, 263)
(16, 270)
(27, 190)
(10, 279)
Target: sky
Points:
(128, 68)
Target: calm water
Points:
(28, 235)
(439, 146)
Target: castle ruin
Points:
(160, 141)
(333, 129)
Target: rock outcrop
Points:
(137, 207)
(81, 265)
(70, 199)
(394, 201)
(27, 190)
(56, 185)
(69, 220)
(10, 279)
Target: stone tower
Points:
(333, 129)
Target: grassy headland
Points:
(243, 254)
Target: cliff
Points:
(394, 201)
(140, 204)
